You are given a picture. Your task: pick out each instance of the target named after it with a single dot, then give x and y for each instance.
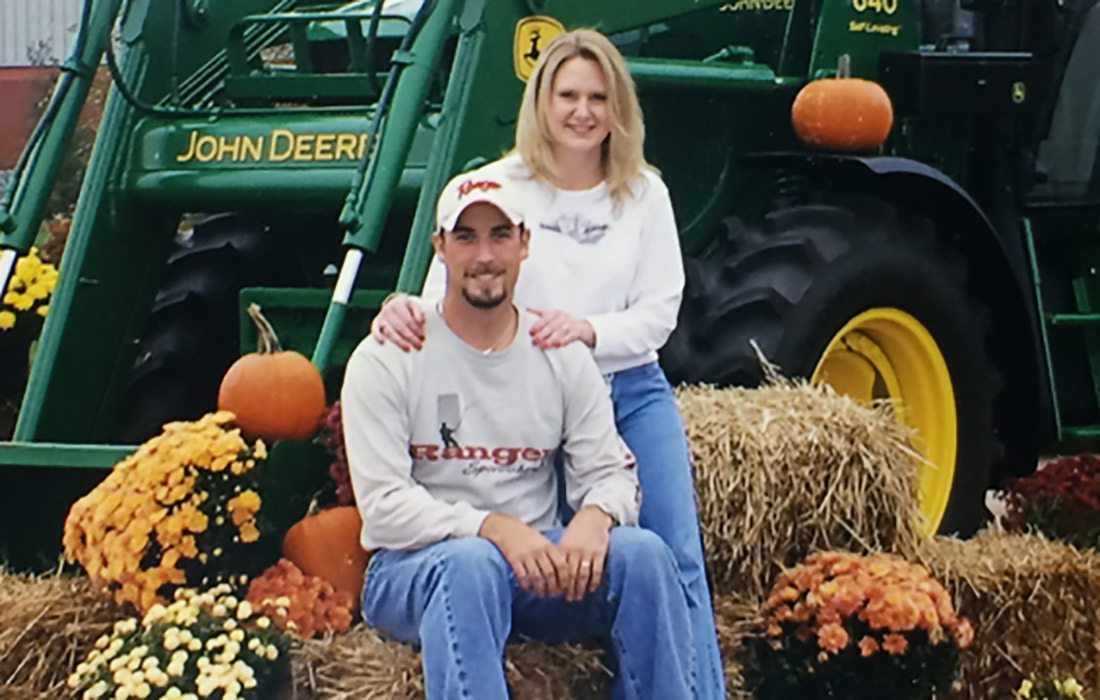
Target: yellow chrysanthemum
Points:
(22, 302)
(249, 533)
(152, 498)
(7, 320)
(244, 506)
(28, 266)
(194, 520)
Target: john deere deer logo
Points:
(532, 36)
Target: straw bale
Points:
(788, 469)
(734, 620)
(20, 692)
(47, 626)
(1034, 604)
(360, 664)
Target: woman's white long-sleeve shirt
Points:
(617, 267)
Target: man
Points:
(452, 455)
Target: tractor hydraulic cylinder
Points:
(370, 205)
(696, 75)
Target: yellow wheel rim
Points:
(885, 353)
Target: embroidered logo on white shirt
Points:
(577, 226)
(450, 416)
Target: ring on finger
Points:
(586, 565)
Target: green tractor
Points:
(289, 152)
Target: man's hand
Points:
(585, 544)
(539, 565)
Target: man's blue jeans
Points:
(649, 421)
(459, 600)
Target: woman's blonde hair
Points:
(622, 157)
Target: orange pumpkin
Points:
(326, 545)
(843, 113)
(276, 394)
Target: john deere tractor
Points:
(289, 152)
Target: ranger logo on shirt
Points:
(501, 456)
(481, 459)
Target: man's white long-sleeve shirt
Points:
(438, 439)
(619, 267)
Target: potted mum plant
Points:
(1061, 501)
(203, 644)
(182, 511)
(855, 627)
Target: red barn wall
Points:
(22, 89)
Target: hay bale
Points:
(47, 626)
(789, 469)
(21, 692)
(357, 664)
(734, 621)
(1034, 604)
(360, 664)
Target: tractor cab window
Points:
(1067, 165)
(944, 24)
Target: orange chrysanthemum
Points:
(868, 646)
(894, 643)
(832, 637)
(139, 531)
(304, 605)
(816, 612)
(834, 595)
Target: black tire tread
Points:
(191, 335)
(770, 283)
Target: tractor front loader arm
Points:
(21, 207)
(390, 136)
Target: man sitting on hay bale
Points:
(452, 455)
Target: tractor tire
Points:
(870, 300)
(192, 335)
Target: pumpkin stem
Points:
(266, 340)
(844, 66)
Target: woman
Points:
(605, 269)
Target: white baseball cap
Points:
(465, 190)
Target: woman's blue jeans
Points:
(459, 600)
(649, 421)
